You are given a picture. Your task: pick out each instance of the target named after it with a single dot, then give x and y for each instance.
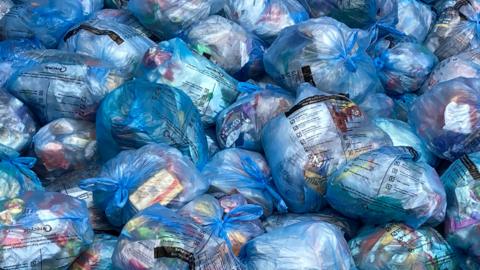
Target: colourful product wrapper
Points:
(388, 184)
(137, 179)
(98, 256)
(313, 139)
(139, 113)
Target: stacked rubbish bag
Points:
(239, 134)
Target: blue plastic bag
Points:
(17, 126)
(158, 238)
(237, 170)
(446, 118)
(56, 84)
(66, 144)
(116, 3)
(45, 20)
(16, 176)
(237, 226)
(348, 226)
(456, 30)
(305, 245)
(265, 18)
(402, 134)
(122, 16)
(388, 184)
(241, 124)
(168, 18)
(5, 7)
(229, 45)
(306, 144)
(116, 43)
(402, 66)
(325, 53)
(43, 230)
(139, 113)
(9, 50)
(415, 19)
(462, 226)
(137, 179)
(378, 105)
(397, 246)
(173, 63)
(402, 106)
(98, 256)
(466, 64)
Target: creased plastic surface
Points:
(98, 256)
(139, 113)
(386, 185)
(137, 179)
(415, 19)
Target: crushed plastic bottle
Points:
(305, 245)
(241, 124)
(456, 30)
(397, 246)
(306, 144)
(65, 145)
(158, 238)
(265, 18)
(229, 45)
(388, 184)
(45, 20)
(139, 113)
(466, 65)
(447, 118)
(402, 66)
(43, 229)
(415, 19)
(237, 226)
(173, 63)
(402, 134)
(462, 226)
(17, 126)
(137, 179)
(246, 172)
(168, 18)
(16, 176)
(337, 63)
(98, 256)
(115, 43)
(56, 84)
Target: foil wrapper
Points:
(397, 246)
(336, 63)
(168, 18)
(237, 227)
(462, 184)
(386, 185)
(265, 18)
(66, 144)
(305, 245)
(45, 20)
(98, 256)
(137, 179)
(43, 230)
(312, 140)
(158, 238)
(173, 63)
(139, 113)
(17, 126)
(241, 124)
(112, 41)
(56, 84)
(247, 173)
(229, 45)
(447, 118)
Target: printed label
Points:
(299, 76)
(161, 188)
(471, 167)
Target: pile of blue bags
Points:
(240, 134)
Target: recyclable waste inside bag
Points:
(313, 139)
(56, 84)
(388, 184)
(9, 51)
(98, 256)
(43, 229)
(137, 179)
